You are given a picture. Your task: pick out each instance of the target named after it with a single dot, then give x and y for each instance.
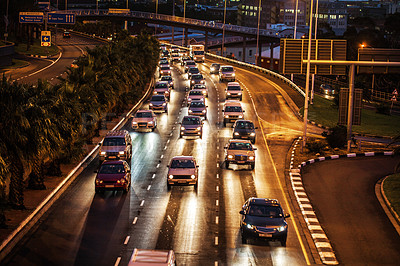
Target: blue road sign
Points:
(30, 17)
(61, 18)
(46, 38)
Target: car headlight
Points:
(154, 92)
(230, 156)
(252, 134)
(192, 81)
(171, 176)
(134, 123)
(204, 111)
(236, 134)
(213, 68)
(199, 128)
(121, 152)
(204, 92)
(233, 74)
(239, 93)
(282, 228)
(202, 81)
(240, 116)
(249, 226)
(228, 93)
(103, 153)
(99, 181)
(192, 176)
(182, 128)
(251, 158)
(190, 111)
(164, 104)
(121, 181)
(151, 104)
(151, 122)
(226, 116)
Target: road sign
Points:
(393, 98)
(395, 92)
(344, 103)
(46, 38)
(57, 18)
(30, 17)
(378, 55)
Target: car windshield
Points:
(197, 104)
(112, 169)
(182, 164)
(227, 69)
(240, 146)
(114, 141)
(199, 86)
(215, 66)
(233, 88)
(158, 98)
(190, 63)
(162, 86)
(244, 125)
(265, 211)
(193, 70)
(143, 114)
(191, 121)
(166, 78)
(165, 68)
(198, 52)
(195, 93)
(197, 76)
(233, 109)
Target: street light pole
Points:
(223, 31)
(173, 17)
(307, 78)
(315, 36)
(295, 27)
(258, 53)
(184, 18)
(155, 28)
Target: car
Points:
(168, 79)
(184, 59)
(233, 90)
(196, 79)
(195, 95)
(144, 119)
(162, 88)
(232, 111)
(198, 108)
(165, 70)
(113, 175)
(66, 34)
(163, 47)
(158, 103)
(175, 56)
(191, 126)
(182, 170)
(165, 53)
(240, 152)
(263, 218)
(227, 73)
(201, 87)
(244, 129)
(214, 69)
(142, 257)
(192, 71)
(189, 64)
(163, 62)
(327, 89)
(117, 145)
(74, 63)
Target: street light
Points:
(258, 33)
(156, 26)
(295, 27)
(184, 18)
(223, 31)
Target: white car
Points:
(195, 95)
(232, 111)
(182, 170)
(233, 90)
(144, 119)
(240, 152)
(227, 73)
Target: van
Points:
(152, 257)
(117, 145)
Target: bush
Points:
(336, 136)
(316, 146)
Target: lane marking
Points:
(40, 70)
(117, 262)
(217, 188)
(158, 165)
(134, 220)
(162, 156)
(217, 203)
(216, 241)
(154, 175)
(216, 220)
(142, 203)
(148, 188)
(217, 175)
(126, 240)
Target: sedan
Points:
(198, 108)
(196, 79)
(165, 70)
(201, 87)
(182, 170)
(192, 71)
(244, 129)
(113, 175)
(191, 126)
(144, 119)
(158, 103)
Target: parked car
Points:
(233, 90)
(227, 73)
(327, 89)
(195, 95)
(240, 152)
(144, 119)
(244, 129)
(158, 103)
(214, 69)
(201, 87)
(162, 88)
(182, 170)
(232, 111)
(191, 126)
(113, 175)
(196, 79)
(168, 79)
(198, 108)
(117, 145)
(264, 219)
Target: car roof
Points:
(183, 157)
(113, 162)
(226, 66)
(234, 83)
(264, 201)
(197, 101)
(199, 90)
(144, 111)
(232, 103)
(161, 82)
(117, 133)
(191, 116)
(239, 141)
(244, 121)
(158, 95)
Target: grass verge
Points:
(16, 63)
(324, 112)
(36, 49)
(391, 187)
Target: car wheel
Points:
(253, 141)
(205, 117)
(252, 166)
(180, 135)
(227, 164)
(152, 130)
(283, 242)
(240, 98)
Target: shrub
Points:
(315, 146)
(336, 136)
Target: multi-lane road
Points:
(84, 228)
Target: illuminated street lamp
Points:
(258, 32)
(223, 30)
(184, 18)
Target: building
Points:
(334, 14)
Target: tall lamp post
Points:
(223, 31)
(315, 37)
(295, 26)
(184, 18)
(156, 26)
(258, 53)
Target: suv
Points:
(197, 79)
(263, 218)
(232, 111)
(113, 175)
(244, 129)
(117, 145)
(161, 88)
(198, 108)
(226, 73)
(182, 170)
(240, 152)
(214, 69)
(233, 90)
(158, 103)
(144, 119)
(201, 87)
(191, 126)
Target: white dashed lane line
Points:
(126, 240)
(118, 261)
(134, 220)
(154, 175)
(148, 188)
(142, 203)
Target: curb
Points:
(383, 200)
(318, 235)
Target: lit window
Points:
(332, 16)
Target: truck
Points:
(197, 52)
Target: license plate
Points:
(240, 161)
(182, 182)
(112, 157)
(265, 235)
(109, 186)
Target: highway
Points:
(84, 228)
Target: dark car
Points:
(113, 175)
(158, 103)
(197, 79)
(244, 129)
(198, 108)
(189, 64)
(192, 71)
(66, 34)
(214, 69)
(191, 126)
(263, 218)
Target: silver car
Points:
(227, 73)
(198, 108)
(191, 126)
